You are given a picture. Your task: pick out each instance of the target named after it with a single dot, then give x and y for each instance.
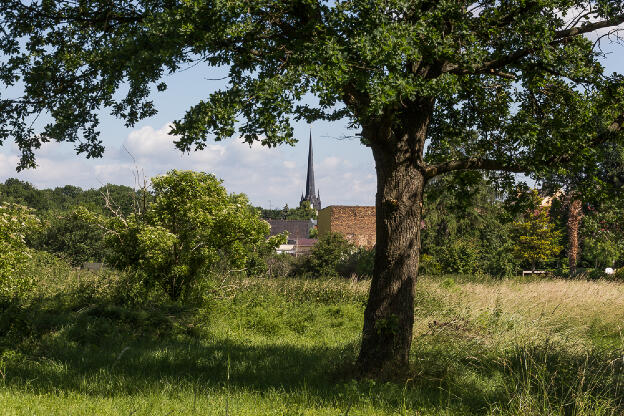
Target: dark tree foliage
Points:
(69, 236)
(20, 192)
(466, 227)
(434, 87)
(63, 198)
(65, 233)
(302, 212)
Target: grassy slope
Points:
(287, 346)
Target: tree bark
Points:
(389, 314)
(575, 213)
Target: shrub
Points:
(67, 235)
(618, 275)
(16, 221)
(595, 274)
(191, 225)
(325, 258)
(428, 265)
(459, 256)
(500, 262)
(279, 265)
(359, 263)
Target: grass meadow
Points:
(287, 347)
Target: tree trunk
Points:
(389, 314)
(574, 219)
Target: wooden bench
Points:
(525, 272)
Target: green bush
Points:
(428, 265)
(326, 257)
(191, 226)
(69, 236)
(459, 256)
(617, 276)
(279, 265)
(595, 274)
(359, 264)
(500, 262)
(16, 222)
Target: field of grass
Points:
(287, 347)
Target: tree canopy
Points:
(499, 72)
(435, 87)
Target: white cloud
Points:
(276, 175)
(331, 162)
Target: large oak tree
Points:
(434, 86)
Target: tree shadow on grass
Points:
(109, 350)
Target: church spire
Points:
(310, 193)
(310, 179)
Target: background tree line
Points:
(469, 227)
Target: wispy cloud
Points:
(275, 175)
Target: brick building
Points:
(356, 223)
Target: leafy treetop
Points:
(509, 85)
(191, 226)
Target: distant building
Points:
(286, 249)
(299, 241)
(356, 223)
(296, 228)
(314, 198)
(304, 245)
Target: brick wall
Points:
(356, 223)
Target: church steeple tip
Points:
(310, 194)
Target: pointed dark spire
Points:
(310, 179)
(310, 194)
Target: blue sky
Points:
(344, 168)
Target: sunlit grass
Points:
(287, 347)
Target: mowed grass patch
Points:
(287, 347)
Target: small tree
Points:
(192, 225)
(536, 237)
(16, 221)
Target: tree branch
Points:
(589, 27)
(477, 163)
(493, 66)
(471, 163)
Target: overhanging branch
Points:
(589, 27)
(476, 163)
(494, 66)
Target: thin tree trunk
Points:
(574, 219)
(389, 314)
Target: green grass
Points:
(287, 347)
